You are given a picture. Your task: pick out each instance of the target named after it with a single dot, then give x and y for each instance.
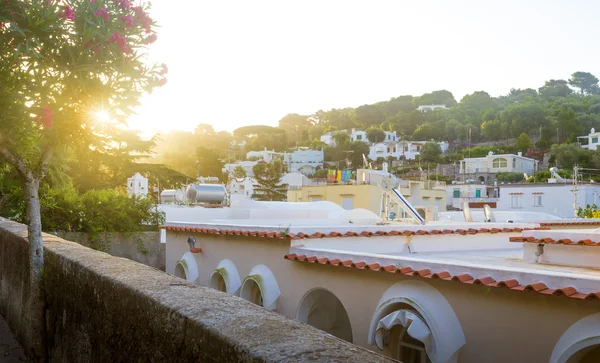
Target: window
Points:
(499, 163)
(456, 193)
(411, 350)
(478, 193)
(516, 201)
(537, 201)
(514, 163)
(594, 140)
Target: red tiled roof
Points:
(547, 240)
(512, 284)
(574, 223)
(301, 235)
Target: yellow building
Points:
(428, 195)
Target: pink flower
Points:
(150, 39)
(121, 41)
(143, 18)
(164, 70)
(128, 20)
(45, 118)
(125, 4)
(161, 82)
(92, 1)
(103, 13)
(68, 13)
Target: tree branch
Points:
(14, 161)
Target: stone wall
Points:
(102, 308)
(143, 247)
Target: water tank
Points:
(206, 193)
(168, 196)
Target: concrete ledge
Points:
(102, 308)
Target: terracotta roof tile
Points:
(565, 291)
(334, 234)
(512, 284)
(360, 265)
(548, 240)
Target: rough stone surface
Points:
(10, 350)
(108, 309)
(143, 247)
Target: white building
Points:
(443, 292)
(242, 187)
(137, 185)
(592, 139)
(556, 199)
(304, 160)
(266, 155)
(247, 165)
(358, 135)
(456, 194)
(390, 136)
(407, 150)
(426, 108)
(493, 163)
(295, 180)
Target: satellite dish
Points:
(489, 215)
(467, 212)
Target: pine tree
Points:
(268, 178)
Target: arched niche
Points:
(260, 287)
(186, 268)
(321, 309)
(416, 311)
(579, 343)
(226, 278)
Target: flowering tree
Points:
(62, 66)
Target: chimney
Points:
(520, 153)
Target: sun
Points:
(102, 117)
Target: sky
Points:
(236, 63)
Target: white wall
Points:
(556, 199)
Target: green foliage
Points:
(208, 162)
(586, 82)
(566, 156)
(239, 172)
(589, 212)
(509, 177)
(269, 187)
(523, 142)
(375, 135)
(431, 152)
(427, 132)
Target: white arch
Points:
(315, 295)
(265, 280)
(188, 263)
(448, 336)
(582, 334)
(227, 270)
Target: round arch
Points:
(419, 301)
(260, 287)
(186, 267)
(579, 342)
(323, 310)
(226, 278)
